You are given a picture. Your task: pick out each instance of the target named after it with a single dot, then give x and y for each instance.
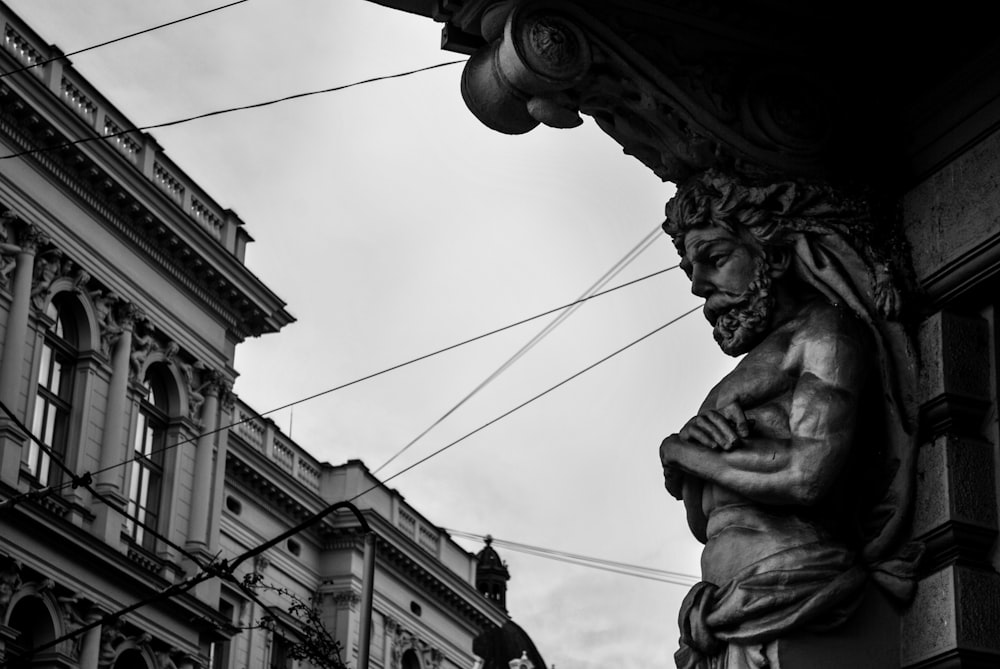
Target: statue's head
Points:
(733, 253)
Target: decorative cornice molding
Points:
(135, 223)
(697, 106)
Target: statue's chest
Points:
(764, 376)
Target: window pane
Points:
(38, 420)
(150, 431)
(45, 367)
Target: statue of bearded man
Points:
(795, 472)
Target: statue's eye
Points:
(718, 259)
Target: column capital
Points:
(30, 237)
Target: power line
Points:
(225, 568)
(117, 39)
(256, 105)
(536, 397)
(38, 493)
(638, 571)
(85, 480)
(615, 269)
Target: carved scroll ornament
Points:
(548, 62)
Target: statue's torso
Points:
(739, 531)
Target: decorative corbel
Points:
(548, 61)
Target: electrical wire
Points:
(624, 568)
(117, 39)
(12, 501)
(536, 397)
(85, 481)
(617, 268)
(225, 568)
(205, 573)
(255, 105)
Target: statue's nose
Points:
(700, 285)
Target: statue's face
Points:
(732, 277)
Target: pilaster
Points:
(108, 517)
(29, 238)
(201, 494)
(955, 616)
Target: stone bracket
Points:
(547, 62)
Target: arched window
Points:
(53, 396)
(147, 466)
(279, 652)
(410, 660)
(130, 658)
(31, 619)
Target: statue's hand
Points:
(720, 429)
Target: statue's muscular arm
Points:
(828, 360)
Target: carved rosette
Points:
(547, 62)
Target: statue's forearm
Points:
(773, 471)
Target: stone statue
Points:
(795, 472)
(48, 265)
(10, 581)
(8, 250)
(142, 345)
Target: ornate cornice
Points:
(681, 107)
(134, 221)
(399, 560)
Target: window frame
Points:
(148, 444)
(52, 408)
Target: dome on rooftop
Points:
(499, 646)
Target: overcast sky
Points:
(394, 224)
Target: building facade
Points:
(127, 465)
(428, 607)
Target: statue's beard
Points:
(746, 323)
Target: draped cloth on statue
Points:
(734, 626)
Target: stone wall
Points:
(952, 220)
